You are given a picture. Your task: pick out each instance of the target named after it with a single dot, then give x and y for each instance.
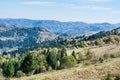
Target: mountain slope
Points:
(90, 72)
(60, 27)
(20, 37)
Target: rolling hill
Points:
(60, 27)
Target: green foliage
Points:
(8, 69)
(63, 52)
(42, 63)
(117, 77)
(108, 77)
(84, 44)
(42, 69)
(52, 58)
(68, 61)
(74, 55)
(101, 60)
(29, 64)
(99, 42)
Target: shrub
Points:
(87, 62)
(101, 60)
(20, 74)
(106, 56)
(68, 61)
(113, 56)
(117, 77)
(42, 69)
(50, 68)
(108, 77)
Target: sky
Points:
(90, 11)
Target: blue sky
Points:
(90, 11)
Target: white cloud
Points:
(93, 7)
(39, 3)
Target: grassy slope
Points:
(99, 51)
(91, 72)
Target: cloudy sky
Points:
(90, 11)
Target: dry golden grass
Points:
(99, 51)
(109, 49)
(91, 72)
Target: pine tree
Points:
(63, 52)
(29, 64)
(8, 69)
(74, 55)
(51, 59)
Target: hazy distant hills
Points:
(15, 33)
(60, 27)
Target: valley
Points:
(59, 39)
(44, 50)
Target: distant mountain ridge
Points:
(60, 27)
(18, 33)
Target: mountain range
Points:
(16, 33)
(60, 27)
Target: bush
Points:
(87, 62)
(68, 61)
(20, 74)
(106, 56)
(115, 55)
(112, 55)
(43, 69)
(50, 68)
(117, 77)
(108, 77)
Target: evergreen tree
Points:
(74, 55)
(51, 59)
(42, 63)
(29, 64)
(8, 69)
(63, 52)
